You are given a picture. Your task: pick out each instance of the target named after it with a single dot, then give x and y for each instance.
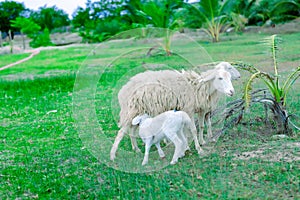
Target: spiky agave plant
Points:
(278, 91)
(272, 81)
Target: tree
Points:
(10, 10)
(80, 17)
(213, 15)
(27, 26)
(100, 19)
(275, 11)
(50, 17)
(31, 29)
(157, 13)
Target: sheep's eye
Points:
(220, 78)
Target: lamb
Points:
(158, 91)
(170, 125)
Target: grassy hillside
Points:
(44, 151)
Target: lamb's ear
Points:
(136, 120)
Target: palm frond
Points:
(272, 42)
(246, 67)
(289, 82)
(268, 80)
(248, 88)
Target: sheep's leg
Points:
(208, 125)
(118, 139)
(194, 134)
(133, 135)
(160, 151)
(201, 128)
(147, 150)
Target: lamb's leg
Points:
(183, 138)
(147, 149)
(194, 134)
(133, 135)
(118, 139)
(201, 128)
(160, 151)
(178, 148)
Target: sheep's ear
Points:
(136, 120)
(209, 76)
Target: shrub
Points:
(42, 39)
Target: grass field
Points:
(43, 154)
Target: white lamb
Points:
(170, 125)
(154, 92)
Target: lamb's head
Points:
(221, 81)
(235, 74)
(139, 119)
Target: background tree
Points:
(10, 10)
(50, 17)
(31, 29)
(100, 19)
(212, 15)
(26, 26)
(276, 11)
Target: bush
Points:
(42, 39)
(101, 30)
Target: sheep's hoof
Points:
(181, 155)
(173, 162)
(144, 163)
(164, 157)
(112, 157)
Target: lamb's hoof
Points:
(213, 140)
(200, 151)
(164, 157)
(137, 150)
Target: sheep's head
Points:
(139, 119)
(235, 74)
(222, 82)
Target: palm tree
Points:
(157, 13)
(213, 15)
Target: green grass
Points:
(8, 58)
(42, 155)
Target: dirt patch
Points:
(273, 152)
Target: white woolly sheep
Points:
(235, 74)
(204, 116)
(170, 125)
(154, 92)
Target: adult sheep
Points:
(158, 91)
